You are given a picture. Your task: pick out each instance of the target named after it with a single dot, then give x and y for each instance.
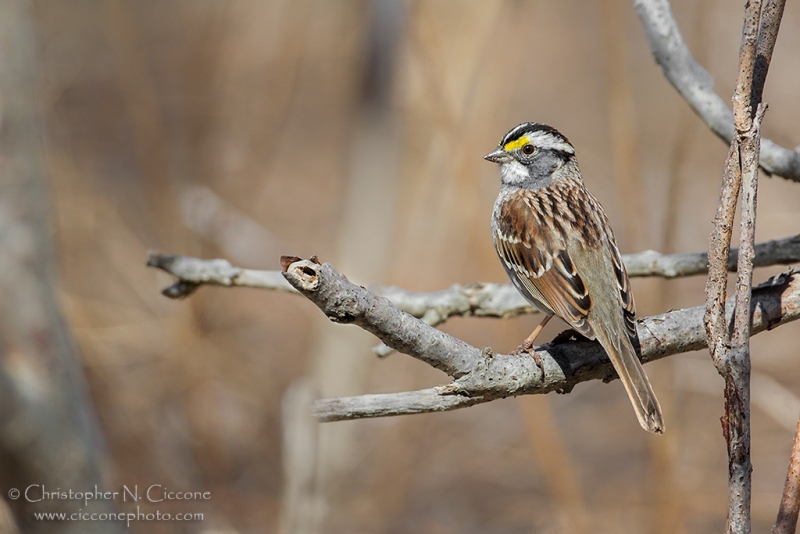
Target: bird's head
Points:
(531, 154)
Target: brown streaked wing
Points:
(624, 285)
(533, 249)
(620, 273)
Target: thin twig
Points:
(771, 15)
(736, 421)
(479, 299)
(742, 104)
(696, 86)
(193, 272)
(718, 250)
(786, 523)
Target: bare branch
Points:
(479, 299)
(718, 250)
(344, 302)
(697, 87)
(651, 263)
(749, 161)
(742, 105)
(736, 368)
(786, 523)
(388, 404)
(771, 15)
(480, 375)
(730, 352)
(193, 272)
(776, 302)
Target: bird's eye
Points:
(528, 150)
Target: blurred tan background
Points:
(354, 130)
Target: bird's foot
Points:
(527, 347)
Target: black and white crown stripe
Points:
(541, 136)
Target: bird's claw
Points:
(527, 347)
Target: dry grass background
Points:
(243, 129)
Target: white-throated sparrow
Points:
(558, 249)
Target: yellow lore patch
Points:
(518, 143)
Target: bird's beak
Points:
(498, 156)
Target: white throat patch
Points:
(513, 173)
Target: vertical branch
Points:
(49, 434)
(736, 421)
(718, 250)
(720, 241)
(749, 152)
(786, 523)
(742, 108)
(771, 15)
(731, 352)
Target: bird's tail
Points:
(622, 354)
